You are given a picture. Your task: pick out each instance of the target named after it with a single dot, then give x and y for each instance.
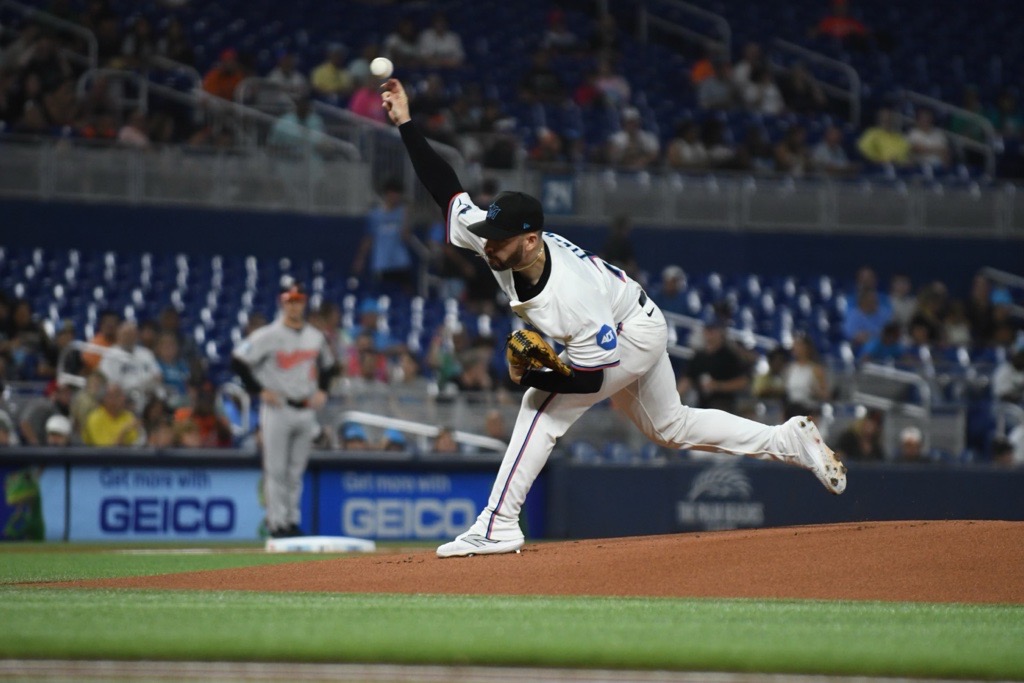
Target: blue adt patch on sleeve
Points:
(606, 338)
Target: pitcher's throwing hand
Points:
(396, 102)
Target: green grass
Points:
(862, 638)
(25, 567)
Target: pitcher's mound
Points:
(955, 561)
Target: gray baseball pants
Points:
(287, 439)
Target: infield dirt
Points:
(944, 561)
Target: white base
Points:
(320, 544)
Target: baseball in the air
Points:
(381, 67)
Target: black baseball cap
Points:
(510, 214)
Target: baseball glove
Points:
(527, 349)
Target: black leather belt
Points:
(297, 404)
(643, 298)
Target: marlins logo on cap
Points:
(510, 214)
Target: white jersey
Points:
(285, 360)
(580, 306)
(131, 370)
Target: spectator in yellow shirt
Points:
(111, 424)
(330, 79)
(885, 143)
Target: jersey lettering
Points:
(287, 360)
(606, 338)
(562, 242)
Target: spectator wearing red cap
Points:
(839, 25)
(224, 77)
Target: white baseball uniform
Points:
(288, 362)
(605, 321)
(136, 371)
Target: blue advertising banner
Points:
(126, 503)
(406, 505)
(603, 501)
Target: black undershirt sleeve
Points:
(435, 173)
(323, 380)
(577, 383)
(244, 372)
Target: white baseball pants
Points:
(643, 386)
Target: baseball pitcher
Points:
(289, 365)
(615, 340)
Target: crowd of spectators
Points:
(153, 389)
(147, 383)
(39, 93)
(910, 328)
(131, 385)
(927, 332)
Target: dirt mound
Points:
(956, 561)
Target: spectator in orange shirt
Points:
(202, 417)
(105, 336)
(704, 67)
(225, 76)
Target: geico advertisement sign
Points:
(388, 505)
(171, 503)
(120, 515)
(405, 518)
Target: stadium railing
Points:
(702, 26)
(253, 177)
(89, 59)
(785, 53)
(986, 148)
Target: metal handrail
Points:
(329, 111)
(92, 45)
(986, 148)
(888, 405)
(937, 104)
(168, 64)
(645, 19)
(1010, 280)
(201, 97)
(420, 429)
(250, 88)
(902, 376)
(240, 395)
(142, 100)
(852, 94)
(1004, 277)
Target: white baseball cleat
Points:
(813, 454)
(471, 543)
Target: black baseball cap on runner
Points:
(510, 214)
